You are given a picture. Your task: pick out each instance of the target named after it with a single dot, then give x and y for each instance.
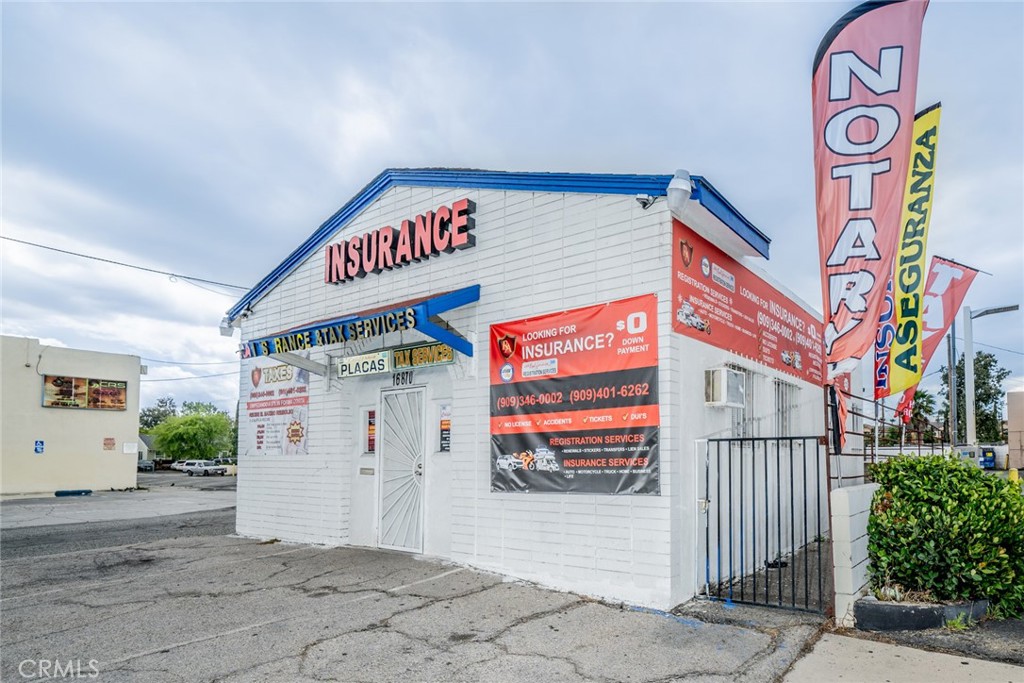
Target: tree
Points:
(200, 408)
(197, 436)
(150, 417)
(988, 397)
(922, 410)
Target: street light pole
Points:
(951, 349)
(972, 431)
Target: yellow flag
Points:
(910, 271)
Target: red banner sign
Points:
(948, 282)
(574, 400)
(863, 90)
(719, 301)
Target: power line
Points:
(998, 348)
(181, 379)
(181, 362)
(126, 265)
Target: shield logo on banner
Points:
(507, 345)
(257, 374)
(686, 251)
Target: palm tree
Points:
(923, 408)
(922, 411)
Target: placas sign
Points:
(364, 364)
(276, 408)
(718, 301)
(574, 400)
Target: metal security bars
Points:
(873, 434)
(766, 522)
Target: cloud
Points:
(212, 139)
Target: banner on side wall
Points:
(574, 401)
(863, 88)
(275, 407)
(718, 301)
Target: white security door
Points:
(401, 470)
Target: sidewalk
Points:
(111, 505)
(842, 658)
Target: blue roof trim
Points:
(589, 183)
(712, 200)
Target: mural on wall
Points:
(717, 300)
(574, 400)
(83, 392)
(275, 407)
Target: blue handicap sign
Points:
(39, 446)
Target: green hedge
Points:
(947, 528)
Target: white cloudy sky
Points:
(211, 139)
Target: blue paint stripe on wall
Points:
(590, 183)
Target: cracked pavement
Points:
(222, 608)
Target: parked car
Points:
(508, 462)
(147, 466)
(204, 467)
(178, 465)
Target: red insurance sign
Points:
(574, 400)
(718, 301)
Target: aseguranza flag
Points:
(863, 89)
(899, 340)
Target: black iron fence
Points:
(766, 522)
(872, 434)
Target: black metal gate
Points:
(766, 522)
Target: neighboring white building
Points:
(1015, 428)
(480, 455)
(70, 418)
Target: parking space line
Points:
(427, 580)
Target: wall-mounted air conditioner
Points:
(724, 388)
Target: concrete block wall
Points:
(850, 509)
(536, 253)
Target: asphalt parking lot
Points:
(130, 590)
(221, 608)
(158, 494)
(169, 478)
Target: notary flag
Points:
(863, 89)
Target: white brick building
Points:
(311, 471)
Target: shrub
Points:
(944, 527)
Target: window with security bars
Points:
(744, 421)
(786, 397)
